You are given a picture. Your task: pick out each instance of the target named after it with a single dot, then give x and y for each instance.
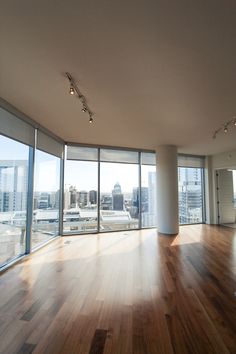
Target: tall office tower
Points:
(73, 197)
(44, 201)
(106, 202)
(117, 198)
(93, 197)
(118, 202)
(152, 196)
(135, 201)
(117, 189)
(13, 185)
(190, 195)
(57, 200)
(152, 192)
(54, 199)
(66, 198)
(83, 199)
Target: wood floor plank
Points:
(98, 342)
(124, 293)
(26, 349)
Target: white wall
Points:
(224, 160)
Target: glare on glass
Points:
(13, 198)
(46, 198)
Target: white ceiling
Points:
(153, 72)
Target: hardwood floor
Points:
(126, 292)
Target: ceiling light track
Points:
(225, 127)
(74, 90)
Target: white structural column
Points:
(167, 190)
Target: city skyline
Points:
(9, 148)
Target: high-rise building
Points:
(152, 192)
(73, 197)
(149, 208)
(117, 198)
(44, 201)
(106, 202)
(54, 198)
(83, 198)
(190, 195)
(118, 202)
(135, 201)
(13, 185)
(66, 198)
(117, 189)
(93, 197)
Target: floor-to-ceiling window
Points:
(119, 190)
(108, 189)
(191, 190)
(81, 190)
(17, 139)
(46, 198)
(30, 185)
(13, 198)
(148, 190)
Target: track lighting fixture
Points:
(225, 127)
(75, 90)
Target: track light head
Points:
(72, 90)
(91, 120)
(225, 127)
(84, 109)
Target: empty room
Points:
(117, 177)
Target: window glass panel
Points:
(119, 156)
(80, 197)
(13, 198)
(148, 196)
(119, 209)
(234, 183)
(46, 198)
(148, 158)
(190, 195)
(82, 153)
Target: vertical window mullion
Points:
(61, 201)
(203, 196)
(29, 214)
(98, 197)
(140, 192)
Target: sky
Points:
(84, 175)
(47, 170)
(47, 173)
